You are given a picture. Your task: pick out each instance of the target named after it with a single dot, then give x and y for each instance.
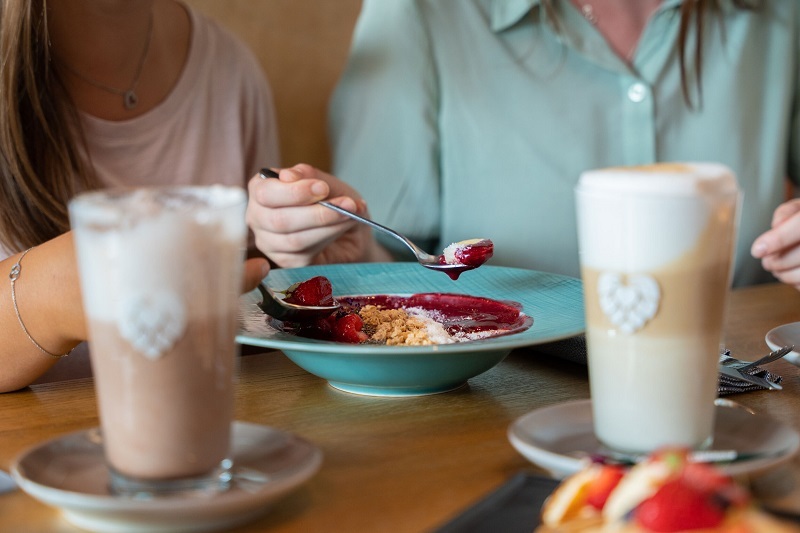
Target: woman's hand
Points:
(779, 248)
(293, 230)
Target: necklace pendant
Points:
(588, 13)
(130, 99)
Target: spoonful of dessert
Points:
(455, 259)
(308, 300)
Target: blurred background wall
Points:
(302, 46)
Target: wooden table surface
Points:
(397, 464)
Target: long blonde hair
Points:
(42, 152)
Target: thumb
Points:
(784, 211)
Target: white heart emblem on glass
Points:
(153, 323)
(629, 304)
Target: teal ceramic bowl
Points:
(554, 302)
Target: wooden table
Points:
(390, 464)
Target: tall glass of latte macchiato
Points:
(656, 248)
(160, 273)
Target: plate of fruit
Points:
(402, 330)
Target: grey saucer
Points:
(69, 472)
(559, 437)
(786, 335)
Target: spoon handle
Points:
(422, 255)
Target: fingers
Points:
(785, 211)
(779, 248)
(785, 232)
(255, 270)
(290, 202)
(290, 227)
(294, 187)
(288, 222)
(785, 266)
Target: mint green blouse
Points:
(474, 118)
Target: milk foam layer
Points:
(139, 243)
(664, 235)
(710, 179)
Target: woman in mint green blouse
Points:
(474, 118)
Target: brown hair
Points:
(42, 152)
(693, 12)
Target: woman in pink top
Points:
(108, 93)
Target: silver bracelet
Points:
(13, 276)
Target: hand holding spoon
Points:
(457, 258)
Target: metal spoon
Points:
(289, 312)
(434, 262)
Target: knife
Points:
(755, 380)
(697, 456)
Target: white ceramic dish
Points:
(786, 335)
(554, 302)
(70, 473)
(560, 436)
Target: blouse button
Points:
(637, 92)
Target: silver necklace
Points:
(129, 97)
(588, 12)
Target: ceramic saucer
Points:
(786, 335)
(6, 483)
(558, 437)
(69, 472)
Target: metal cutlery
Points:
(285, 311)
(745, 370)
(433, 262)
(770, 357)
(697, 456)
(749, 378)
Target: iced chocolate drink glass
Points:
(656, 245)
(160, 272)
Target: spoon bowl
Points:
(289, 312)
(433, 262)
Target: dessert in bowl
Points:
(548, 307)
(415, 320)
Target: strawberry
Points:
(347, 328)
(678, 506)
(600, 488)
(318, 329)
(314, 291)
(715, 483)
(705, 477)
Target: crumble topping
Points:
(402, 327)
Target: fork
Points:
(770, 357)
(732, 367)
